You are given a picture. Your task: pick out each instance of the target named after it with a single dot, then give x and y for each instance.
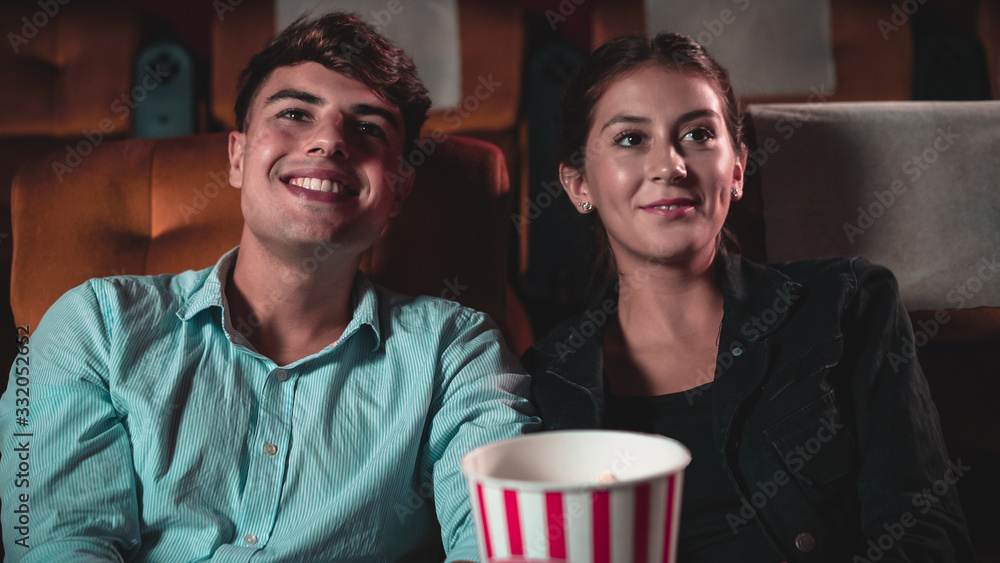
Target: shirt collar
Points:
(212, 293)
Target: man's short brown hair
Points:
(345, 44)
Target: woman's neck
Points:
(669, 301)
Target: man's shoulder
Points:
(400, 306)
(129, 295)
(175, 288)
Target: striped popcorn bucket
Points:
(577, 496)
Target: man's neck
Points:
(291, 306)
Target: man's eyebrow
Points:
(293, 94)
(624, 119)
(368, 109)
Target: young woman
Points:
(808, 444)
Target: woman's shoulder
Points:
(845, 274)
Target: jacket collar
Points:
(757, 300)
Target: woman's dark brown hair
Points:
(610, 61)
(345, 44)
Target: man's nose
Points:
(328, 139)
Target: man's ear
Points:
(399, 193)
(237, 143)
(575, 184)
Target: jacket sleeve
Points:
(906, 483)
(66, 474)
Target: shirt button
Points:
(805, 542)
(250, 539)
(270, 449)
(282, 375)
(737, 351)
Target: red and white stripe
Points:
(616, 525)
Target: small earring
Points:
(586, 206)
(734, 192)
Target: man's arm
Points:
(66, 473)
(483, 398)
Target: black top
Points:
(705, 533)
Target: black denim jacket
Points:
(821, 411)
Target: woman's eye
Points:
(699, 135)
(293, 114)
(628, 139)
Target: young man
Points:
(330, 425)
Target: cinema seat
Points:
(869, 66)
(911, 186)
(63, 66)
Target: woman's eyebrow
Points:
(697, 114)
(625, 119)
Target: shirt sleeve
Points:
(483, 398)
(66, 473)
(906, 483)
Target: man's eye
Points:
(369, 128)
(628, 139)
(293, 114)
(699, 135)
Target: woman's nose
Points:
(666, 164)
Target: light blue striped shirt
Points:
(154, 431)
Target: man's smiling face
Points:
(317, 160)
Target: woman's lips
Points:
(670, 208)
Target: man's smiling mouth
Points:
(322, 185)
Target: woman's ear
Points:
(575, 184)
(739, 173)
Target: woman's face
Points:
(659, 167)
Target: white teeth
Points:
(318, 184)
(667, 207)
